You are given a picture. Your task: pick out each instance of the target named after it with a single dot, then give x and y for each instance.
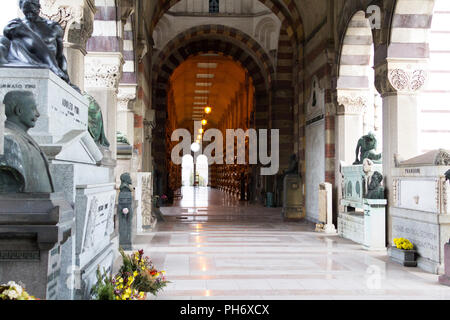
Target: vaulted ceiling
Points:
(205, 78)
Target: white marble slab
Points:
(315, 167)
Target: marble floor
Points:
(214, 247)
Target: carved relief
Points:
(349, 104)
(395, 191)
(444, 195)
(403, 80)
(148, 218)
(443, 158)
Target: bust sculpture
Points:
(375, 189)
(366, 148)
(34, 41)
(96, 125)
(126, 182)
(23, 167)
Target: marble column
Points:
(103, 70)
(76, 17)
(399, 83)
(349, 128)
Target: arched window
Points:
(213, 6)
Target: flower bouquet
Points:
(135, 279)
(13, 291)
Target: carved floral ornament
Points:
(400, 77)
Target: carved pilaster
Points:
(103, 70)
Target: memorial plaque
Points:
(424, 236)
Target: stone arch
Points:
(409, 36)
(161, 31)
(264, 30)
(230, 36)
(287, 13)
(209, 39)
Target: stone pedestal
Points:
(445, 279)
(326, 209)
(34, 230)
(293, 198)
(375, 225)
(126, 218)
(363, 220)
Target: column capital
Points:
(351, 102)
(401, 76)
(76, 17)
(126, 94)
(103, 70)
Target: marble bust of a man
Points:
(34, 41)
(23, 167)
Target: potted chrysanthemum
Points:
(403, 252)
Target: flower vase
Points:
(406, 258)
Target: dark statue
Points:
(375, 189)
(293, 165)
(34, 41)
(366, 149)
(96, 124)
(125, 212)
(121, 138)
(447, 175)
(23, 167)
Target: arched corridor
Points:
(255, 149)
